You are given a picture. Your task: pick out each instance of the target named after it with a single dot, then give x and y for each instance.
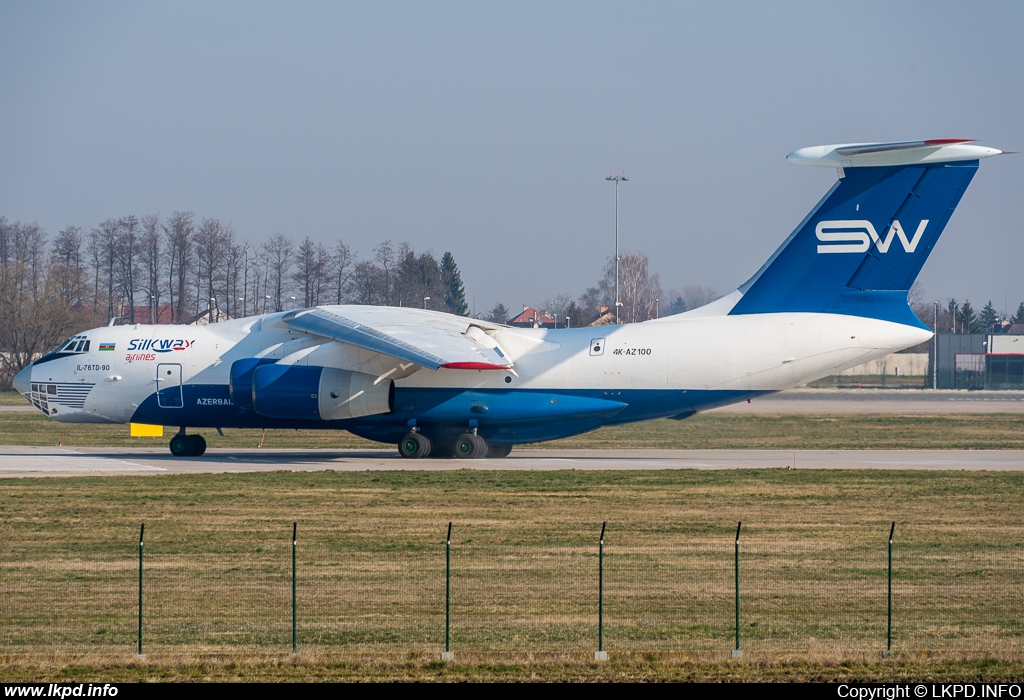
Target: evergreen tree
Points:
(498, 314)
(454, 292)
(968, 318)
(1019, 316)
(988, 317)
(576, 316)
(676, 305)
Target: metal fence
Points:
(229, 587)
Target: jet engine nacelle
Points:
(240, 379)
(318, 393)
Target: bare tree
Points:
(367, 283)
(258, 266)
(68, 265)
(341, 262)
(557, 307)
(311, 271)
(213, 242)
(127, 253)
(151, 260)
(103, 249)
(278, 250)
(384, 254)
(34, 316)
(179, 232)
(695, 296)
(638, 289)
(236, 269)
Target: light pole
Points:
(657, 308)
(935, 348)
(425, 300)
(617, 179)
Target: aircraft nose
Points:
(23, 380)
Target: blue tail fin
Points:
(859, 251)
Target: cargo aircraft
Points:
(834, 295)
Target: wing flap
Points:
(427, 339)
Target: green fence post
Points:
(600, 654)
(295, 602)
(448, 655)
(888, 636)
(142, 531)
(737, 652)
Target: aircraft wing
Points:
(430, 339)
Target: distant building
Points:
(162, 314)
(606, 318)
(532, 318)
(980, 361)
(209, 316)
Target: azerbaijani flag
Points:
(106, 346)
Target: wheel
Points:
(198, 445)
(414, 446)
(181, 445)
(498, 451)
(469, 446)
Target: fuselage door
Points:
(168, 383)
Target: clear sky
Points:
(488, 128)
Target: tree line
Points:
(641, 297)
(152, 269)
(170, 270)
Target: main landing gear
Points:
(416, 445)
(183, 445)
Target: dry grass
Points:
(704, 431)
(528, 667)
(371, 575)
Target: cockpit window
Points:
(78, 344)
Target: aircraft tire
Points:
(470, 446)
(414, 446)
(181, 445)
(198, 445)
(498, 451)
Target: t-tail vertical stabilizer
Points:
(861, 248)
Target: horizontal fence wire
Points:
(223, 588)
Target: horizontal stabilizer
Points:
(895, 153)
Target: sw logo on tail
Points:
(855, 236)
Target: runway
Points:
(107, 461)
(18, 461)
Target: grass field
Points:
(371, 558)
(703, 431)
(524, 585)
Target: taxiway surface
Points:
(106, 461)
(19, 461)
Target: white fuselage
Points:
(714, 359)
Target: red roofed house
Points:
(163, 315)
(531, 318)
